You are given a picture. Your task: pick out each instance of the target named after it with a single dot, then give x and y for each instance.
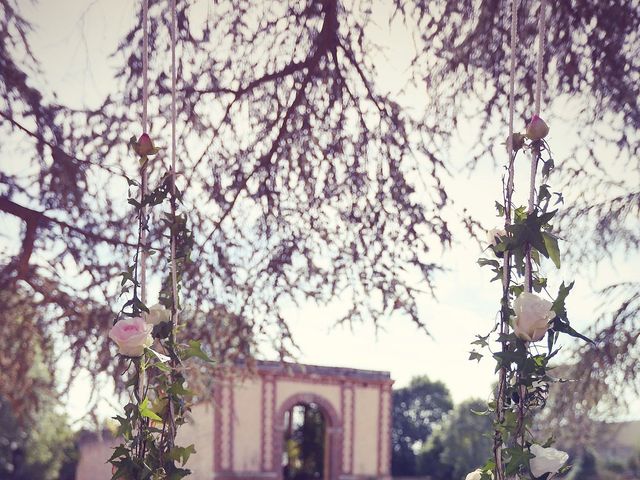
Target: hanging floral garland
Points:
(526, 317)
(146, 336)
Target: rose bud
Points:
(518, 141)
(144, 146)
(537, 129)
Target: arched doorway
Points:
(305, 454)
(307, 439)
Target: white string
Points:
(145, 129)
(174, 280)
(534, 151)
(143, 211)
(504, 327)
(540, 58)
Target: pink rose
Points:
(144, 146)
(132, 336)
(537, 129)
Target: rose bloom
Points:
(537, 129)
(131, 335)
(493, 236)
(475, 475)
(546, 460)
(532, 317)
(157, 314)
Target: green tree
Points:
(417, 409)
(462, 443)
(41, 448)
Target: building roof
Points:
(288, 368)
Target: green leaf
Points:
(566, 328)
(195, 350)
(119, 451)
(133, 202)
(551, 244)
(543, 192)
(182, 454)
(519, 458)
(485, 261)
(178, 389)
(145, 411)
(481, 341)
(558, 304)
(162, 358)
(500, 209)
(473, 355)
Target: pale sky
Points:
(73, 42)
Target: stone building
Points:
(244, 437)
(245, 432)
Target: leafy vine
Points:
(146, 339)
(525, 319)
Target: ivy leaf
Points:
(195, 350)
(182, 454)
(178, 389)
(145, 411)
(162, 358)
(485, 261)
(519, 457)
(500, 209)
(569, 330)
(551, 244)
(543, 192)
(558, 304)
(481, 341)
(547, 167)
(119, 451)
(473, 355)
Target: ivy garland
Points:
(525, 319)
(159, 397)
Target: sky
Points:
(73, 41)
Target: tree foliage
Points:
(417, 410)
(301, 176)
(462, 443)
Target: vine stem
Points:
(174, 275)
(506, 267)
(535, 154)
(142, 375)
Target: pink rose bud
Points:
(537, 129)
(144, 146)
(132, 335)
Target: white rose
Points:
(476, 475)
(546, 460)
(532, 317)
(493, 236)
(132, 335)
(157, 314)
